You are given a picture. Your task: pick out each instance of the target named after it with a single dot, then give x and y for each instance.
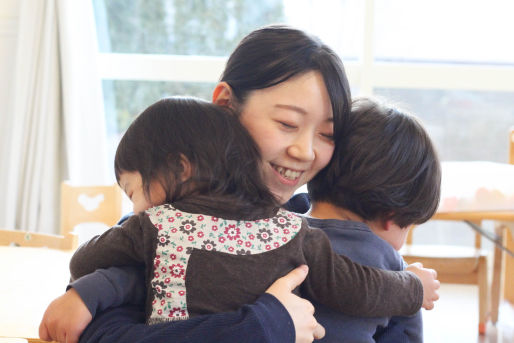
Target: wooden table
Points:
(30, 279)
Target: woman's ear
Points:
(187, 169)
(222, 94)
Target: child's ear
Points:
(388, 224)
(222, 94)
(187, 170)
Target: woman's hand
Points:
(65, 319)
(301, 311)
(429, 281)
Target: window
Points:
(449, 62)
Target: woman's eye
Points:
(330, 136)
(287, 126)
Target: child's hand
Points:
(301, 311)
(429, 281)
(65, 319)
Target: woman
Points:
(293, 96)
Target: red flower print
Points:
(180, 248)
(266, 220)
(248, 244)
(294, 226)
(156, 275)
(240, 242)
(154, 302)
(171, 219)
(156, 263)
(200, 234)
(159, 312)
(276, 244)
(230, 249)
(232, 232)
(248, 224)
(214, 228)
(268, 247)
(177, 270)
(168, 295)
(177, 312)
(173, 256)
(181, 293)
(174, 230)
(221, 239)
(284, 239)
(163, 302)
(178, 214)
(163, 269)
(214, 219)
(199, 218)
(167, 280)
(251, 236)
(158, 213)
(286, 231)
(190, 238)
(159, 227)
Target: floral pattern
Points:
(179, 233)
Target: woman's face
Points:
(292, 123)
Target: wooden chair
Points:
(34, 239)
(86, 204)
(455, 264)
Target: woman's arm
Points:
(68, 315)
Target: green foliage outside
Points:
(180, 27)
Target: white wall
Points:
(8, 30)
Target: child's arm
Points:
(124, 245)
(357, 290)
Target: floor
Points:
(455, 318)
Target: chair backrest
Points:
(34, 239)
(511, 149)
(85, 204)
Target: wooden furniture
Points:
(82, 204)
(508, 238)
(486, 193)
(30, 281)
(34, 239)
(455, 264)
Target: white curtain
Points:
(56, 123)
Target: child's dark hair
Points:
(385, 168)
(226, 173)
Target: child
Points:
(211, 237)
(384, 178)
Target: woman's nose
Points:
(302, 149)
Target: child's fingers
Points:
(43, 332)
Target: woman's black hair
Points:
(226, 173)
(276, 53)
(386, 167)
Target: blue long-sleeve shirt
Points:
(358, 242)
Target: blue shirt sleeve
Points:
(264, 321)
